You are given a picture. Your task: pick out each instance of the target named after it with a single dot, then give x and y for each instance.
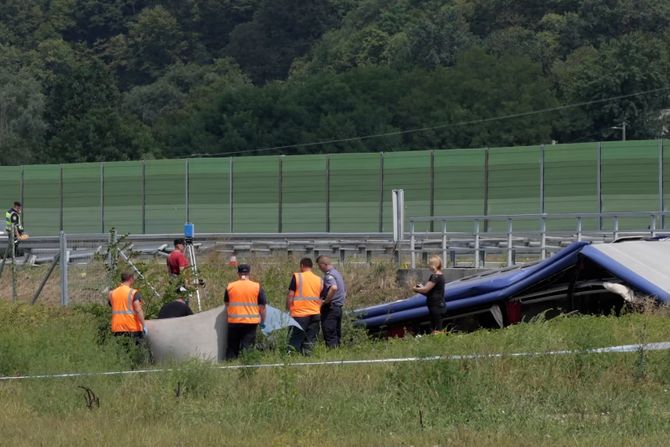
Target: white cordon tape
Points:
(661, 346)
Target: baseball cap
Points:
(243, 268)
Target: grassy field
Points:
(579, 399)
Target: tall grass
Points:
(584, 399)
(578, 399)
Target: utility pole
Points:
(622, 128)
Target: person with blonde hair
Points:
(434, 292)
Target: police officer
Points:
(13, 220)
(245, 303)
(304, 303)
(335, 295)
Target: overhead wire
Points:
(436, 127)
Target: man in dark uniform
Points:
(335, 295)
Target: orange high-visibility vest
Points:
(243, 302)
(306, 300)
(124, 318)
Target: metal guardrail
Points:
(656, 223)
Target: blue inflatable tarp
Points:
(473, 292)
(642, 265)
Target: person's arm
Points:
(17, 226)
(261, 310)
(262, 301)
(137, 306)
(331, 293)
(289, 299)
(183, 263)
(291, 294)
(109, 299)
(426, 288)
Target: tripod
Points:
(193, 263)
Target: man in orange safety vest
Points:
(245, 304)
(304, 303)
(127, 313)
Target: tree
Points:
(633, 64)
(280, 31)
(82, 111)
(155, 42)
(21, 125)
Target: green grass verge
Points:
(580, 399)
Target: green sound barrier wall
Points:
(345, 192)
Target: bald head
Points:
(324, 263)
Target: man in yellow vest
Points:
(304, 303)
(127, 313)
(245, 304)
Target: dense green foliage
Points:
(92, 80)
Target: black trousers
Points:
(331, 324)
(241, 336)
(436, 314)
(304, 340)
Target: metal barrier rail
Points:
(656, 220)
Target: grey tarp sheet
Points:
(202, 335)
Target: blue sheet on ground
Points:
(276, 319)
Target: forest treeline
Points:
(100, 80)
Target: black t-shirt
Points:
(436, 295)
(174, 309)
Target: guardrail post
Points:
(510, 261)
(230, 194)
(144, 197)
(542, 178)
(477, 254)
(280, 192)
(615, 233)
(64, 299)
(599, 184)
(62, 199)
(579, 228)
(444, 242)
(412, 244)
(327, 193)
(187, 190)
(381, 192)
(432, 190)
(102, 197)
(652, 225)
(543, 237)
(661, 175)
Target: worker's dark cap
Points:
(243, 268)
(179, 241)
(17, 204)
